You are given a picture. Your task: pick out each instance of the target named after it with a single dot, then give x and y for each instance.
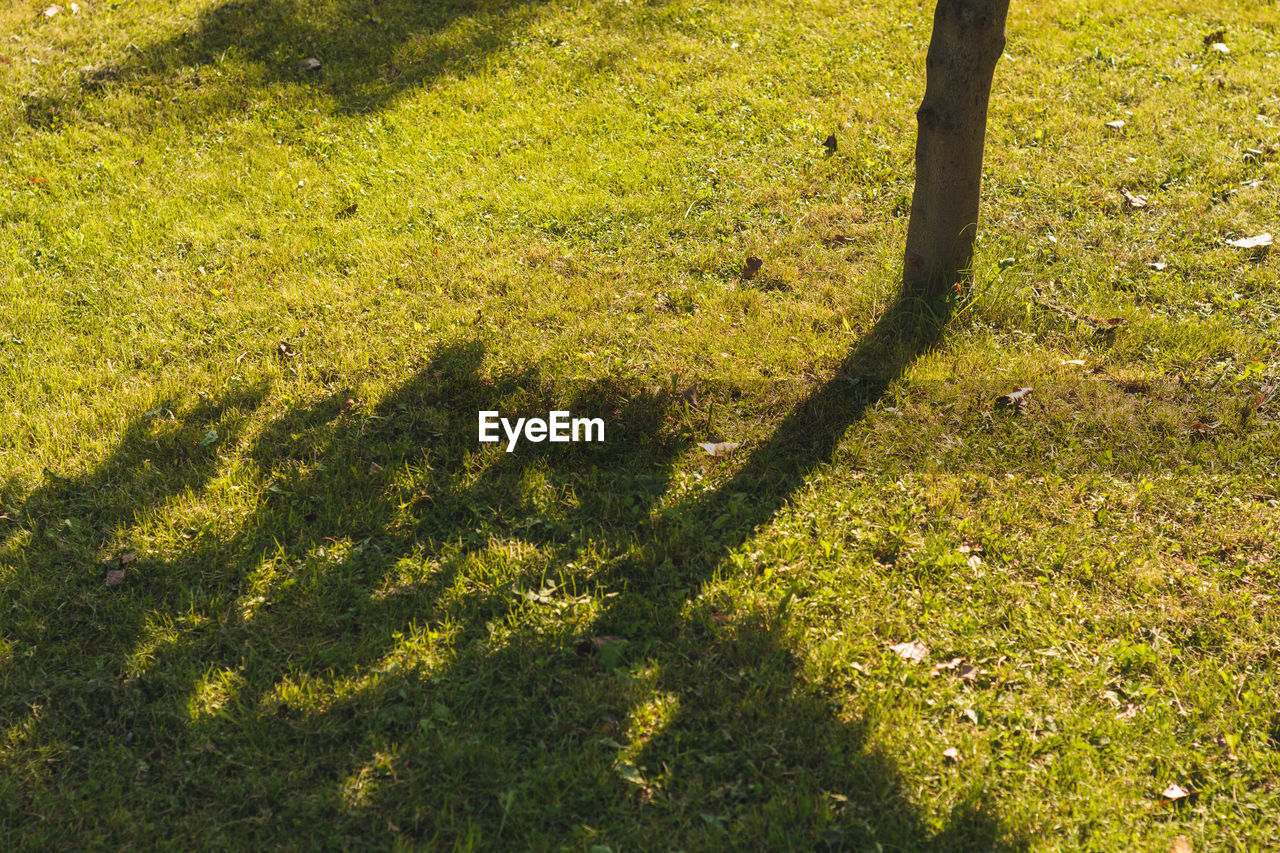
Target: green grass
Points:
(248, 315)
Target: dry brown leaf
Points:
(914, 651)
(1204, 427)
(1257, 242)
(127, 557)
(719, 448)
(374, 469)
(951, 753)
(751, 267)
(1181, 844)
(964, 671)
(595, 644)
(954, 663)
(1175, 792)
(1118, 124)
(1213, 38)
(1133, 200)
(115, 577)
(1015, 399)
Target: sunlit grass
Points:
(249, 313)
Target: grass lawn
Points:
(261, 586)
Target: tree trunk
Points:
(968, 39)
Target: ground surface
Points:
(260, 586)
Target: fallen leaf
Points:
(1133, 200)
(719, 448)
(37, 181)
(595, 644)
(1219, 47)
(1256, 242)
(1175, 792)
(5, 60)
(1181, 844)
(830, 143)
(1118, 124)
(939, 668)
(115, 577)
(285, 350)
(1072, 362)
(1130, 711)
(1215, 37)
(630, 773)
(1157, 265)
(1203, 427)
(951, 753)
(962, 670)
(309, 64)
(127, 557)
(1015, 400)
(50, 11)
(349, 210)
(914, 651)
(752, 267)
(374, 469)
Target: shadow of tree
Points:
(369, 51)
(448, 606)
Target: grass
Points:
(248, 314)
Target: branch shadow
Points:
(368, 51)
(388, 529)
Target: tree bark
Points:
(967, 41)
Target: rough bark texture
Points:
(967, 41)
